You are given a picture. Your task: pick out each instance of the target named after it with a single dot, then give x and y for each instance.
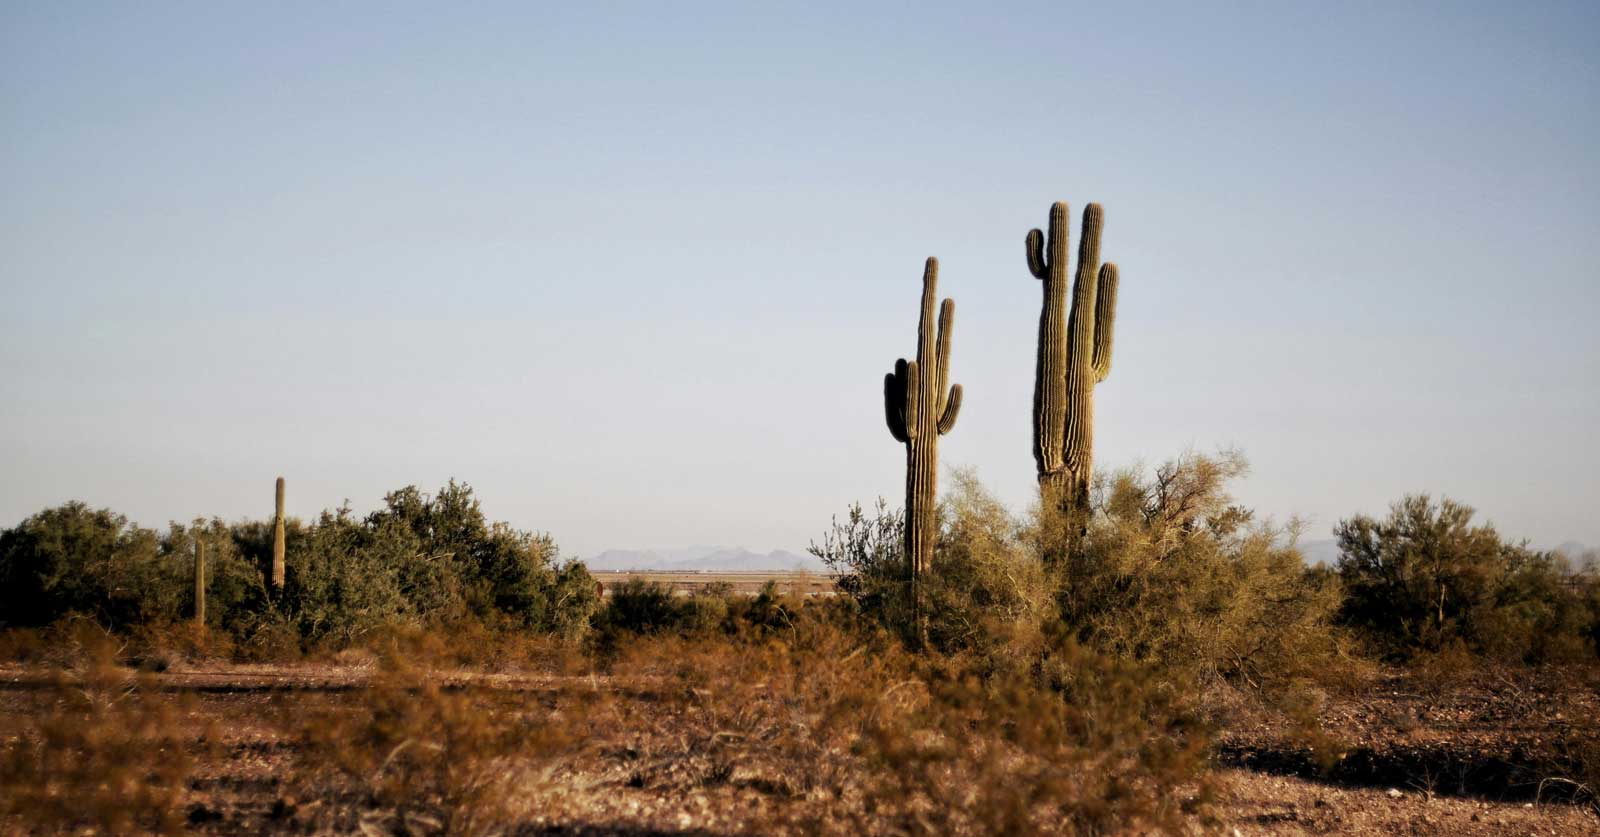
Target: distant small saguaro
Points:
(277, 542)
(199, 583)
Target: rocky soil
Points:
(1487, 754)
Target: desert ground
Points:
(1418, 757)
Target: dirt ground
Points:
(1459, 758)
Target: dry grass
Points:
(100, 750)
(798, 729)
(793, 726)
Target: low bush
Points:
(1425, 578)
(1171, 572)
(420, 560)
(866, 737)
(986, 593)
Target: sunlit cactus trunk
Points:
(1074, 355)
(277, 542)
(199, 583)
(919, 409)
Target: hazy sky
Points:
(636, 272)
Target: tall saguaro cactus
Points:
(277, 542)
(1074, 355)
(199, 583)
(919, 410)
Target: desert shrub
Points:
(769, 611)
(1171, 572)
(99, 753)
(73, 559)
(469, 644)
(986, 592)
(419, 756)
(707, 609)
(574, 598)
(420, 560)
(1168, 572)
(462, 560)
(867, 555)
(236, 591)
(1426, 577)
(638, 606)
(342, 579)
(875, 739)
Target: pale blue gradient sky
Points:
(636, 271)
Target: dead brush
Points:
(478, 645)
(161, 646)
(101, 751)
(851, 734)
(776, 714)
(1112, 748)
(411, 753)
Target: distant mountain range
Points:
(712, 558)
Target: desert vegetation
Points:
(1124, 684)
(287, 586)
(1135, 652)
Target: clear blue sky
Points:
(636, 271)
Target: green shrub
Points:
(638, 606)
(342, 579)
(420, 560)
(1425, 577)
(1171, 572)
(867, 556)
(989, 594)
(73, 559)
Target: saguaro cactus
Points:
(199, 583)
(1074, 355)
(277, 542)
(919, 410)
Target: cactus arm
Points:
(894, 398)
(1035, 246)
(1078, 435)
(1105, 320)
(913, 384)
(952, 406)
(947, 313)
(925, 335)
(1089, 246)
(1060, 236)
(1080, 321)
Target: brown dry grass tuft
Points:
(414, 752)
(102, 750)
(862, 737)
